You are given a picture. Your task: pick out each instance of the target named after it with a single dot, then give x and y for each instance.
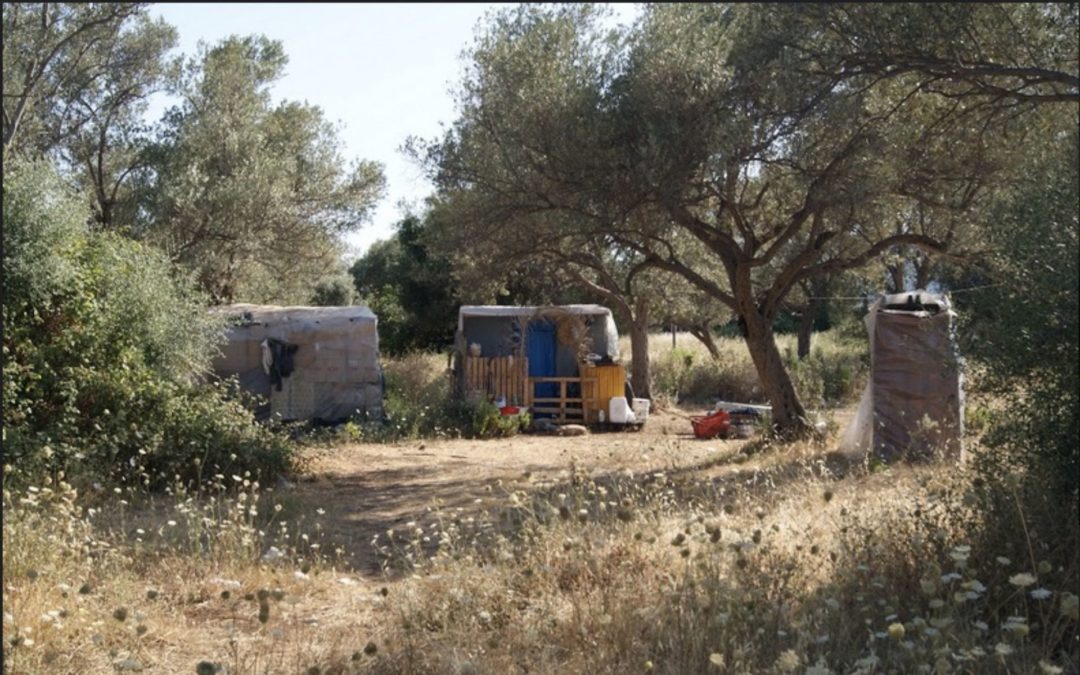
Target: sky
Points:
(383, 71)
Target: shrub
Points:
(104, 346)
(333, 291)
(420, 402)
(1024, 331)
(488, 422)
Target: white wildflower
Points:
(1041, 594)
(1022, 579)
(788, 661)
(273, 554)
(975, 585)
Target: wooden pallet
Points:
(565, 408)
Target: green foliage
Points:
(107, 150)
(1024, 331)
(421, 403)
(55, 55)
(410, 288)
(104, 345)
(488, 422)
(827, 378)
(42, 233)
(252, 196)
(336, 291)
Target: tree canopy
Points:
(715, 124)
(253, 196)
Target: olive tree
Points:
(252, 196)
(711, 123)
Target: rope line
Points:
(866, 297)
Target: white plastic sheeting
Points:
(335, 369)
(913, 404)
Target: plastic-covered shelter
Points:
(559, 357)
(913, 405)
(309, 363)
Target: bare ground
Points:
(366, 489)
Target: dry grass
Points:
(164, 585)
(793, 569)
(785, 560)
(833, 374)
(782, 562)
(731, 349)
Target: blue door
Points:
(541, 351)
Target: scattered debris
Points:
(571, 430)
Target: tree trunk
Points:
(806, 327)
(922, 274)
(639, 352)
(704, 335)
(788, 413)
(105, 214)
(896, 275)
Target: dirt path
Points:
(362, 490)
(365, 489)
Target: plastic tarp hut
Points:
(912, 407)
(310, 363)
(529, 354)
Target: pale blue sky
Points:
(383, 71)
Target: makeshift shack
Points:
(310, 363)
(558, 361)
(913, 405)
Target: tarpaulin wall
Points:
(912, 406)
(335, 368)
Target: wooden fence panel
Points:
(497, 376)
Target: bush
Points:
(105, 344)
(488, 422)
(1024, 332)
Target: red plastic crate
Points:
(711, 426)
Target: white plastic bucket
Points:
(641, 409)
(618, 410)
